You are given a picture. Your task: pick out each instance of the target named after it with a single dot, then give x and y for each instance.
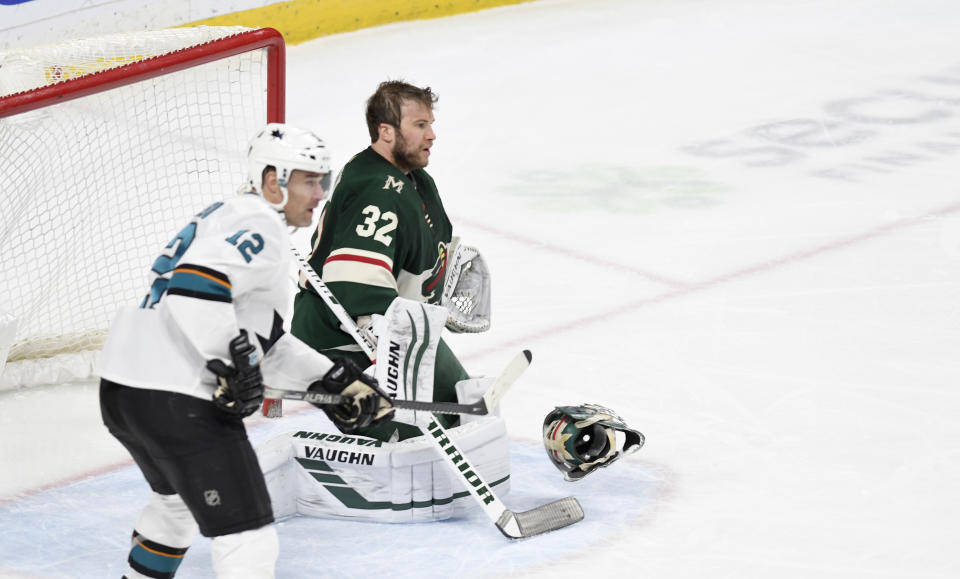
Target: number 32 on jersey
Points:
(377, 225)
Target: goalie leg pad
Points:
(280, 473)
(355, 477)
(472, 390)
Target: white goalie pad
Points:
(471, 390)
(329, 475)
(466, 291)
(408, 336)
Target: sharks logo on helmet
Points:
(286, 149)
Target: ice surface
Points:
(736, 223)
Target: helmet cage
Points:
(580, 439)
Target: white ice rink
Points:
(735, 222)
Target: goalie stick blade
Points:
(542, 519)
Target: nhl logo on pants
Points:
(212, 497)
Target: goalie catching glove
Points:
(239, 388)
(581, 439)
(369, 405)
(466, 291)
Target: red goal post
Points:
(87, 84)
(109, 145)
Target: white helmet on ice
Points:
(286, 149)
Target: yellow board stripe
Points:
(302, 20)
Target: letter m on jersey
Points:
(393, 184)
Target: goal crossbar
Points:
(74, 88)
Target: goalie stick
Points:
(481, 407)
(538, 520)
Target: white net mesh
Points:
(93, 188)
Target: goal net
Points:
(109, 146)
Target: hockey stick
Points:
(481, 407)
(542, 519)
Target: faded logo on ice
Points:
(855, 137)
(618, 188)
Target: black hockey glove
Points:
(370, 404)
(240, 388)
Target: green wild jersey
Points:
(383, 234)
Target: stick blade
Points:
(542, 519)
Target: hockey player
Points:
(183, 368)
(384, 238)
(384, 247)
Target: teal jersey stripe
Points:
(197, 284)
(160, 564)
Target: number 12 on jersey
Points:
(250, 246)
(371, 224)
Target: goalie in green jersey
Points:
(385, 247)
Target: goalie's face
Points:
(414, 138)
(305, 192)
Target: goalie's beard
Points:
(407, 157)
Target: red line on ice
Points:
(682, 289)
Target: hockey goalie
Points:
(384, 278)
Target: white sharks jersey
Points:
(229, 268)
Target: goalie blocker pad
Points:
(408, 335)
(334, 476)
